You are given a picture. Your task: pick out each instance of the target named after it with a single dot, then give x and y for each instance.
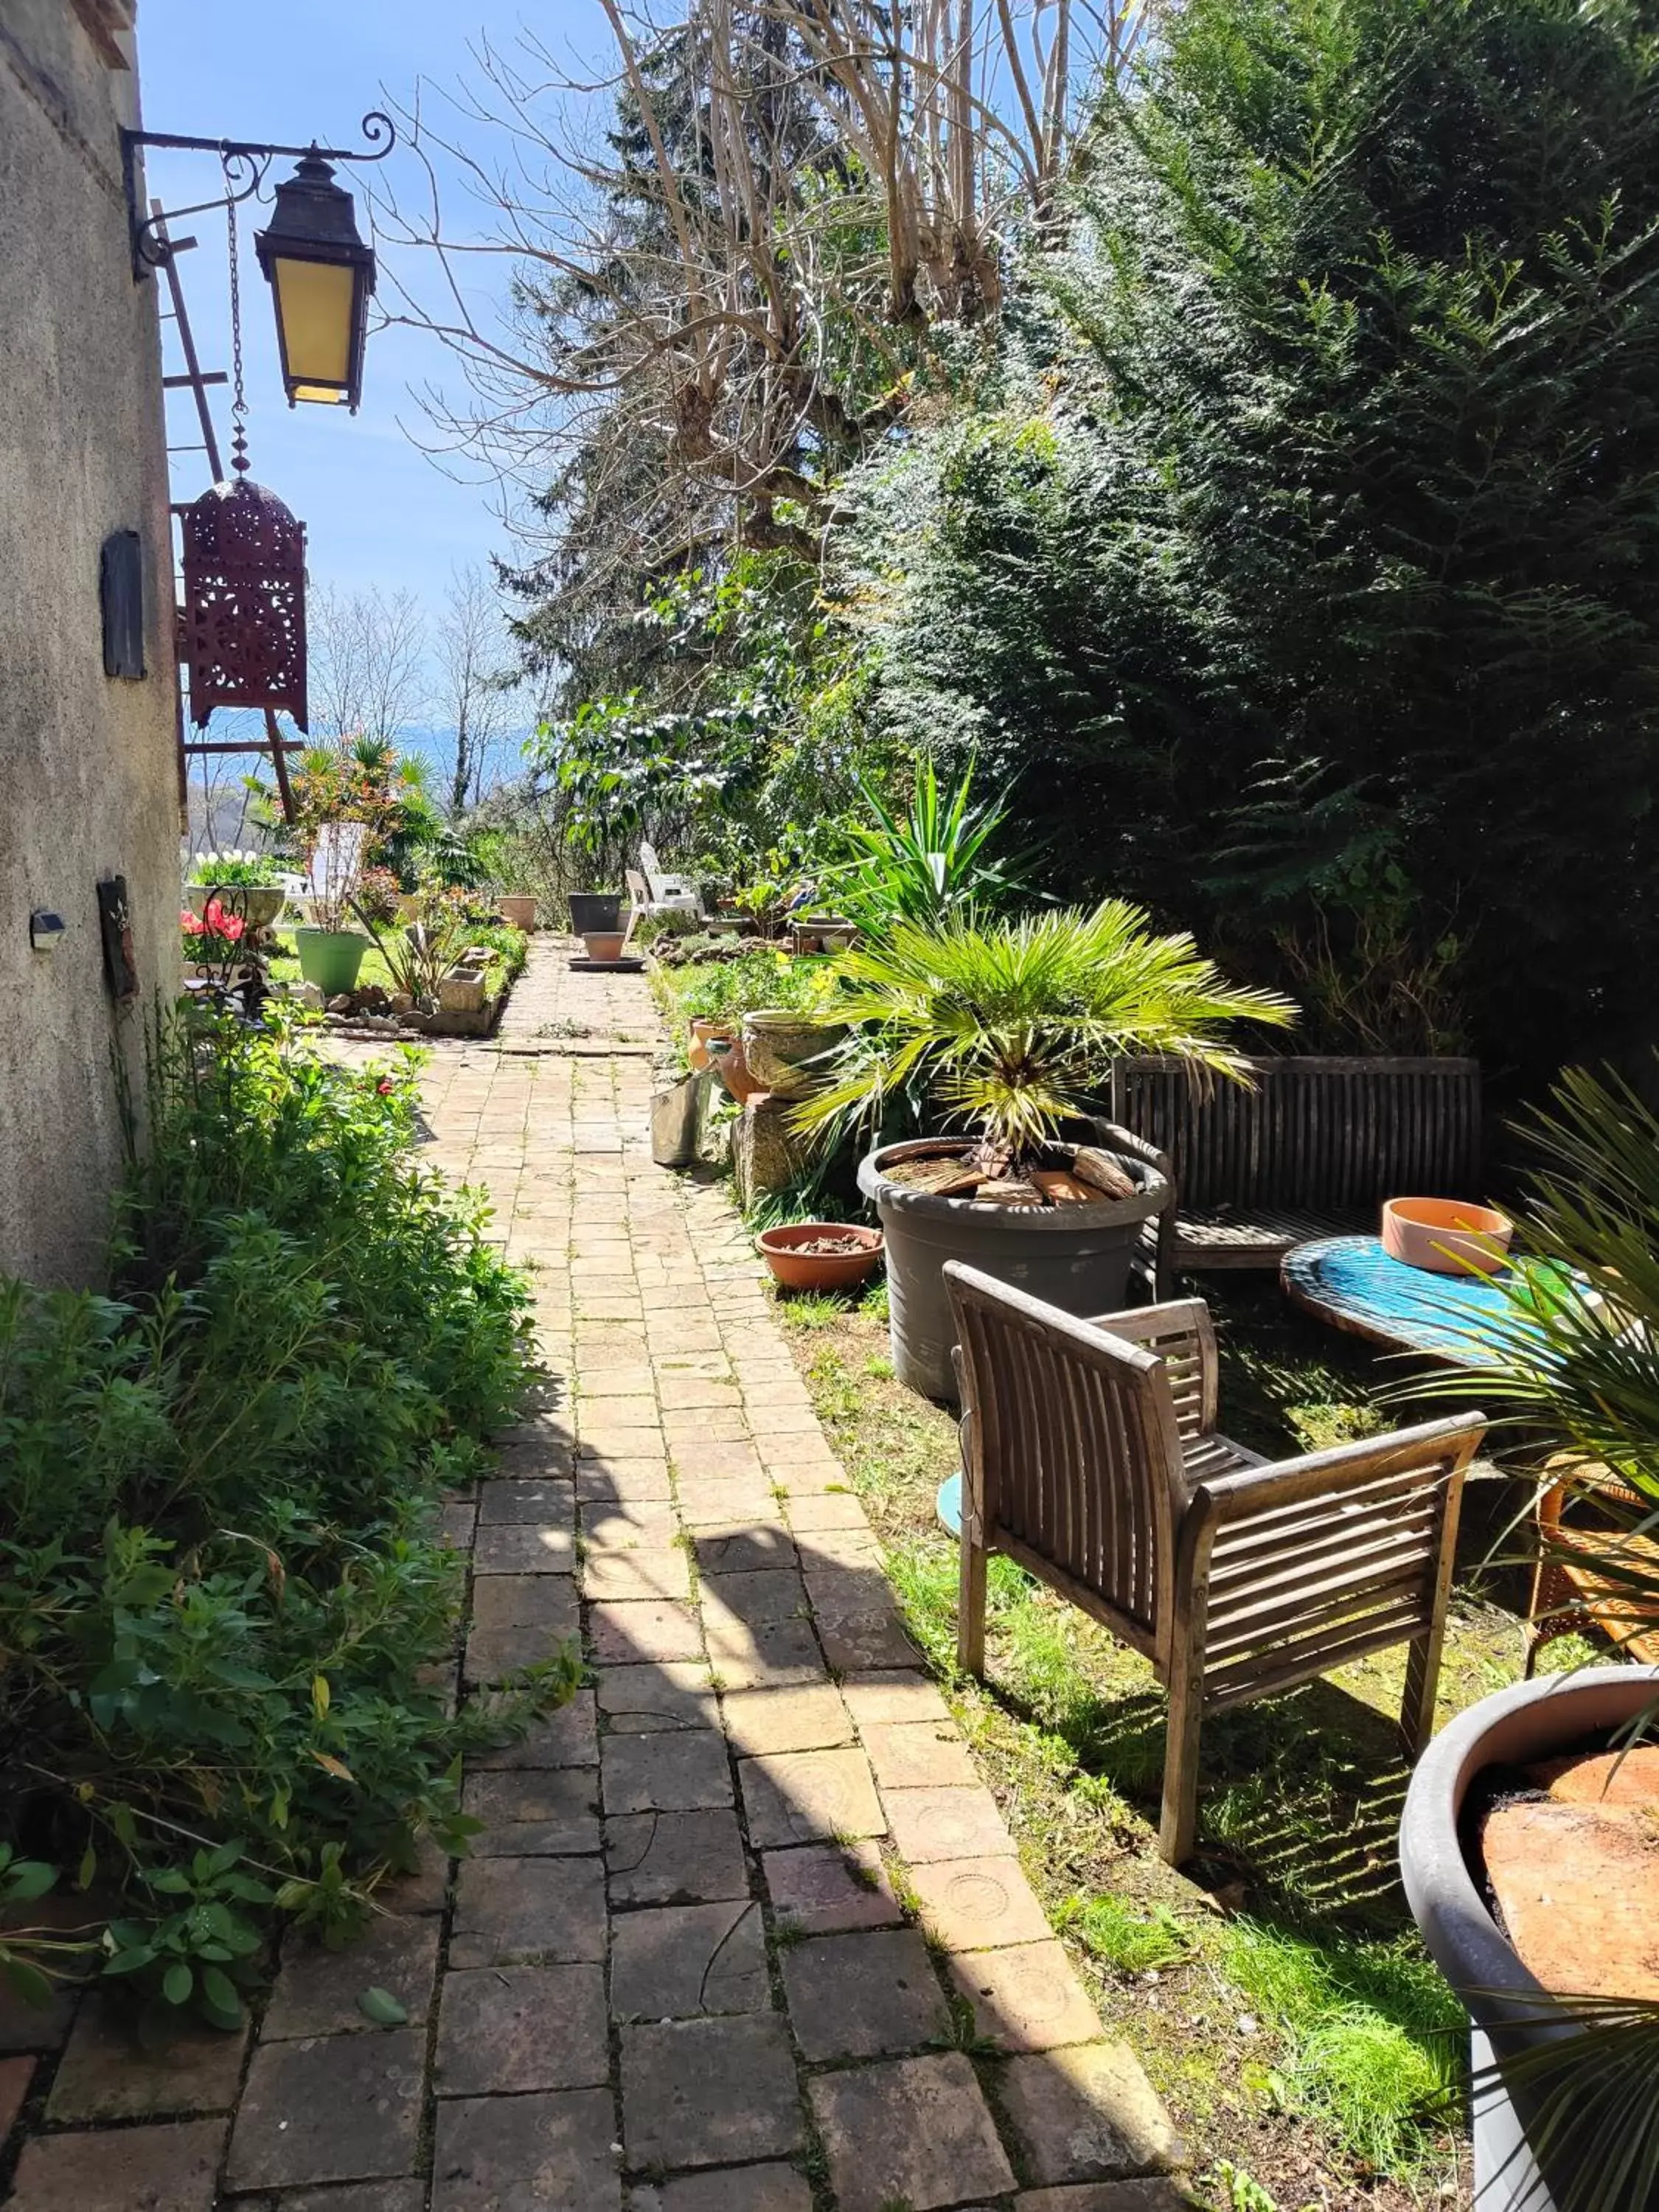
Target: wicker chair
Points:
(1583, 1577)
(1090, 1456)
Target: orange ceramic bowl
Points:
(1445, 1235)
(799, 1270)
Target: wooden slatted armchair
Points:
(1090, 1455)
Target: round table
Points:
(1354, 1284)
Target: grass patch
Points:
(1130, 1942)
(1372, 2036)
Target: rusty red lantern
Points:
(243, 615)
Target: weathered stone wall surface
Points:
(88, 762)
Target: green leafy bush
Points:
(1300, 584)
(726, 990)
(218, 871)
(219, 1578)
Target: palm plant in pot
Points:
(1010, 1026)
(1525, 1881)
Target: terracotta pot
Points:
(604, 944)
(819, 1271)
(702, 1032)
(1445, 1235)
(520, 909)
(726, 1058)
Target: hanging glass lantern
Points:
(243, 615)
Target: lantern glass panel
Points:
(314, 299)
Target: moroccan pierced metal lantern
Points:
(244, 615)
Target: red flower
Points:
(191, 923)
(229, 926)
(385, 1086)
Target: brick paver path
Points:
(744, 1931)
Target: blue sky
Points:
(377, 511)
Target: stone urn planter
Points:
(1514, 1728)
(785, 1050)
(1074, 1256)
(330, 958)
(595, 912)
(260, 903)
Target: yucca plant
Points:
(1011, 1025)
(925, 866)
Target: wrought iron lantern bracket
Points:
(246, 163)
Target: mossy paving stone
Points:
(170, 2168)
(408, 2195)
(709, 2091)
(332, 2108)
(549, 2152)
(535, 1813)
(105, 2074)
(674, 1858)
(908, 2130)
(686, 1771)
(535, 1911)
(316, 1990)
(769, 2188)
(503, 2028)
(863, 1996)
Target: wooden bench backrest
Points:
(1073, 1454)
(1314, 1132)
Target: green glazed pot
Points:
(330, 958)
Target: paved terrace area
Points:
(744, 1931)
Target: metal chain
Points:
(239, 401)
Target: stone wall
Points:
(88, 762)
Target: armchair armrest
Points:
(1342, 1469)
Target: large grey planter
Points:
(1512, 1728)
(1076, 1257)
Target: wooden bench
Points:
(1312, 1151)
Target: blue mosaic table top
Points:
(1351, 1282)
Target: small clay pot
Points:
(796, 1270)
(703, 1033)
(604, 945)
(725, 1057)
(1446, 1237)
